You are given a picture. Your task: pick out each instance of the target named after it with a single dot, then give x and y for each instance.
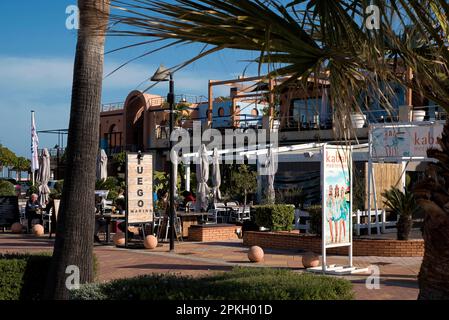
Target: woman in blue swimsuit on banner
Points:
(330, 210)
(344, 209)
(336, 213)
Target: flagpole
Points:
(32, 148)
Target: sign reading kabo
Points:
(139, 176)
(404, 141)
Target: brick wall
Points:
(207, 233)
(361, 247)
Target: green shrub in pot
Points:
(405, 206)
(316, 219)
(276, 217)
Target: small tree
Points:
(21, 164)
(244, 181)
(7, 189)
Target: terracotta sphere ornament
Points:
(16, 227)
(310, 260)
(150, 242)
(255, 254)
(38, 230)
(119, 239)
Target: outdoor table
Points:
(109, 218)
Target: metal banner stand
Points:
(336, 269)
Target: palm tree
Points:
(75, 232)
(305, 39)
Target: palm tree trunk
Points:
(75, 231)
(433, 197)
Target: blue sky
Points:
(36, 61)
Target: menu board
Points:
(9, 210)
(139, 188)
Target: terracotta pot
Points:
(255, 254)
(310, 260)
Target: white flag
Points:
(34, 145)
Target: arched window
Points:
(221, 112)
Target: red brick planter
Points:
(213, 232)
(361, 247)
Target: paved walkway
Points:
(397, 275)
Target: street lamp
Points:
(164, 74)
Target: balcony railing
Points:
(157, 101)
(112, 106)
(290, 123)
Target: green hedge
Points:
(22, 276)
(277, 217)
(240, 283)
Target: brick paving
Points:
(398, 275)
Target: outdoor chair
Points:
(212, 216)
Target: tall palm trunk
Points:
(433, 197)
(75, 231)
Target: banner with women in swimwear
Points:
(336, 184)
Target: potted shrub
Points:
(315, 219)
(277, 217)
(404, 205)
(358, 120)
(418, 115)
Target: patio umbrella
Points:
(270, 171)
(175, 160)
(202, 175)
(43, 176)
(216, 178)
(102, 165)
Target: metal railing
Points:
(112, 106)
(295, 123)
(157, 101)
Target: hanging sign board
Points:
(139, 181)
(336, 196)
(404, 141)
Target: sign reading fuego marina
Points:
(404, 141)
(139, 178)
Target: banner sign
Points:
(139, 181)
(336, 195)
(404, 141)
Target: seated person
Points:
(100, 221)
(188, 197)
(31, 209)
